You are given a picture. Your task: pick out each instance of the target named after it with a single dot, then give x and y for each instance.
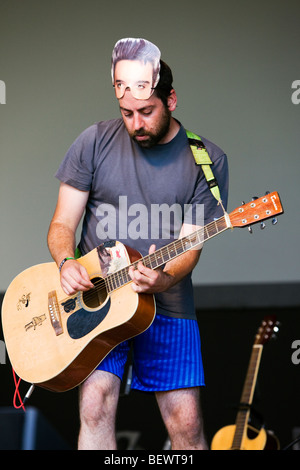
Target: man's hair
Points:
(165, 84)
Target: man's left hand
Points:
(149, 281)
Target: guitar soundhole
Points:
(95, 297)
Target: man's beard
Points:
(154, 137)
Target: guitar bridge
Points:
(54, 313)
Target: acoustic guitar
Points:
(241, 435)
(56, 342)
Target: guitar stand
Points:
(127, 377)
(288, 447)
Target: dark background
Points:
(227, 340)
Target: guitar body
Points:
(56, 341)
(253, 439)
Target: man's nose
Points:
(138, 122)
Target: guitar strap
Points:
(202, 158)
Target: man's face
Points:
(147, 121)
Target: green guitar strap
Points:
(202, 158)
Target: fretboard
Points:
(247, 397)
(167, 253)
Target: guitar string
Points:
(211, 229)
(115, 278)
(164, 251)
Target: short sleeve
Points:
(77, 167)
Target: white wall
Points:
(234, 63)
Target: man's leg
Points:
(181, 413)
(99, 396)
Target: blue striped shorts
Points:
(167, 356)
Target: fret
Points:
(186, 243)
(159, 258)
(241, 421)
(165, 257)
(112, 281)
(206, 233)
(152, 262)
(127, 278)
(200, 237)
(108, 283)
(124, 274)
(193, 239)
(180, 248)
(172, 251)
(117, 280)
(251, 373)
(146, 261)
(213, 228)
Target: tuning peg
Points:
(250, 229)
(274, 221)
(277, 326)
(267, 192)
(254, 198)
(276, 330)
(262, 225)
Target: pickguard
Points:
(84, 321)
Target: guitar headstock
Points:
(267, 330)
(257, 210)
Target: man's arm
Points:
(159, 280)
(61, 237)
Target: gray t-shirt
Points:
(140, 196)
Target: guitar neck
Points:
(170, 251)
(247, 396)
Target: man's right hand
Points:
(74, 278)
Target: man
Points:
(144, 157)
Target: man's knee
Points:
(181, 412)
(98, 399)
